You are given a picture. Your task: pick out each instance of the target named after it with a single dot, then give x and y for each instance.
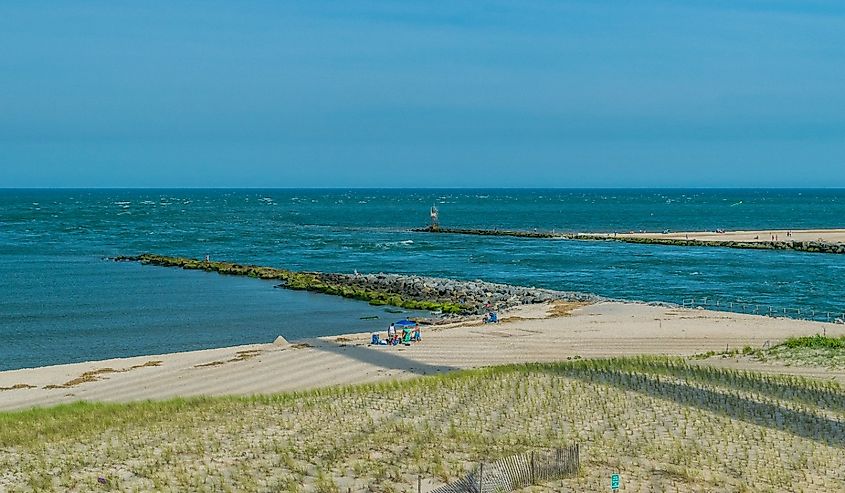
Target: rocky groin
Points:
(449, 296)
(490, 232)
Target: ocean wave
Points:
(390, 244)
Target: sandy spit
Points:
(819, 235)
(532, 334)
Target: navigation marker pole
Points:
(435, 218)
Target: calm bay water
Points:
(60, 302)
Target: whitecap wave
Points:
(389, 244)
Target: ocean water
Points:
(61, 302)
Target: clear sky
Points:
(454, 93)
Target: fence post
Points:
(419, 484)
(480, 476)
(533, 474)
(577, 457)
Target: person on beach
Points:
(391, 333)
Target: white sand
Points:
(823, 235)
(601, 330)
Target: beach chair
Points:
(406, 335)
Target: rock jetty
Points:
(449, 296)
(490, 232)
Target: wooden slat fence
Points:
(518, 471)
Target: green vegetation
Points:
(662, 423)
(815, 342)
(816, 350)
(306, 281)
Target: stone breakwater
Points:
(800, 246)
(449, 296)
(491, 232)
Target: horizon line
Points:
(426, 188)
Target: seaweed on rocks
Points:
(447, 296)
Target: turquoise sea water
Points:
(60, 302)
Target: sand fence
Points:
(716, 304)
(518, 471)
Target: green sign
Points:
(614, 482)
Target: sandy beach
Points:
(818, 235)
(528, 334)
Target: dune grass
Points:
(663, 424)
(813, 351)
(817, 341)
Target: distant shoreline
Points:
(807, 240)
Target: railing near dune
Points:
(518, 471)
(710, 303)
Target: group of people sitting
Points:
(410, 332)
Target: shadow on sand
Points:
(387, 357)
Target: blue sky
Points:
(455, 93)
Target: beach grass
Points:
(663, 424)
(816, 351)
(811, 351)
